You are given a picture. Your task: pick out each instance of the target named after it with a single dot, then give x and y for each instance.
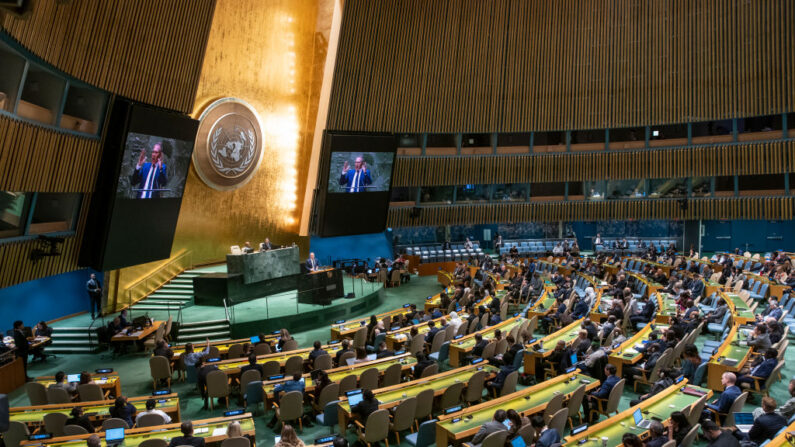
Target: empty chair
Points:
(214, 352)
(235, 351)
(474, 392)
(252, 375)
(488, 351)
(58, 396)
(495, 439)
(425, 435)
(17, 432)
(54, 423)
(109, 423)
(290, 408)
(90, 392)
(255, 395)
(451, 396)
(160, 369)
(392, 375)
(149, 420)
(344, 358)
(430, 370)
(217, 386)
(438, 340)
(527, 432)
(417, 345)
(558, 420)
(262, 349)
(290, 345)
(360, 338)
(687, 441)
(553, 406)
(69, 430)
(294, 365)
(501, 347)
(404, 417)
(329, 393)
(696, 409)
(347, 383)
(424, 405)
(369, 379)
(376, 428)
(575, 401)
(442, 354)
(330, 416)
(37, 393)
(271, 368)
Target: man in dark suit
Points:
(494, 425)
(265, 246)
(311, 264)
(22, 346)
(480, 344)
(187, 437)
(316, 352)
(366, 407)
(726, 399)
(202, 371)
(768, 424)
(645, 315)
(603, 392)
(383, 351)
(94, 288)
(697, 286)
(149, 178)
(356, 179)
(762, 370)
(252, 365)
(499, 381)
(345, 348)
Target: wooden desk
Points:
(435, 301)
(223, 345)
(213, 430)
(232, 366)
(526, 402)
(33, 342)
(531, 355)
(108, 382)
(464, 346)
(730, 357)
(137, 335)
(661, 405)
(626, 354)
(784, 439)
(393, 395)
(97, 411)
(739, 308)
(395, 339)
(335, 375)
(544, 304)
(12, 374)
(349, 327)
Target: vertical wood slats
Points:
(774, 157)
(770, 208)
(519, 65)
(147, 50)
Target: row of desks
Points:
(108, 382)
(212, 430)
(460, 348)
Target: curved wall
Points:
(519, 65)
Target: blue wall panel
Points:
(760, 235)
(360, 246)
(44, 299)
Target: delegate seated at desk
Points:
(247, 248)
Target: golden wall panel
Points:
(772, 208)
(749, 158)
(523, 65)
(265, 53)
(147, 50)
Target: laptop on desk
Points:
(743, 421)
(639, 421)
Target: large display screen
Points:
(355, 183)
(352, 172)
(153, 167)
(146, 155)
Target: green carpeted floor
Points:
(134, 368)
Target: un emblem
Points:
(228, 144)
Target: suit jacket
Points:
(548, 437)
(311, 265)
(487, 429)
(697, 289)
(726, 399)
(766, 426)
(760, 343)
(604, 389)
(187, 440)
(347, 179)
(21, 343)
(580, 310)
(765, 368)
(139, 176)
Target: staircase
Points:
(173, 296)
(72, 340)
(198, 332)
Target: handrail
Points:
(153, 281)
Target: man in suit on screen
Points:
(149, 178)
(356, 179)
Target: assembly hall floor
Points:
(133, 369)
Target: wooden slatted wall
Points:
(774, 208)
(751, 158)
(33, 158)
(524, 65)
(147, 50)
